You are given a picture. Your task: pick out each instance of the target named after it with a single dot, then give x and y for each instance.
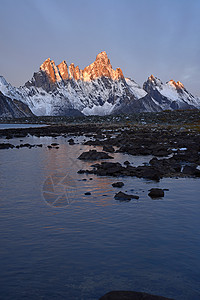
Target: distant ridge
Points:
(97, 89)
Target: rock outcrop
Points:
(13, 108)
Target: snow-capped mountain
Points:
(97, 89)
(171, 95)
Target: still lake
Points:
(58, 243)
(9, 126)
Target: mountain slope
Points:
(97, 89)
(13, 108)
(171, 95)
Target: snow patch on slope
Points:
(170, 91)
(103, 110)
(136, 90)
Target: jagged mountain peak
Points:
(3, 80)
(102, 56)
(63, 70)
(101, 67)
(154, 80)
(51, 70)
(170, 95)
(178, 85)
(151, 77)
(152, 83)
(46, 64)
(97, 89)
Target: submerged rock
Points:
(71, 141)
(118, 184)
(131, 295)
(87, 194)
(108, 148)
(94, 155)
(125, 197)
(156, 193)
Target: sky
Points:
(142, 37)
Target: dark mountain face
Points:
(171, 95)
(13, 108)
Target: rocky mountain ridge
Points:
(97, 89)
(13, 108)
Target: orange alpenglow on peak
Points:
(102, 56)
(177, 84)
(101, 67)
(75, 72)
(63, 70)
(51, 70)
(151, 77)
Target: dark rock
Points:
(126, 163)
(109, 169)
(189, 170)
(54, 144)
(166, 166)
(94, 143)
(131, 295)
(125, 197)
(50, 147)
(116, 169)
(107, 148)
(6, 146)
(197, 173)
(156, 193)
(149, 172)
(118, 184)
(177, 167)
(87, 193)
(81, 172)
(161, 152)
(71, 142)
(94, 155)
(26, 145)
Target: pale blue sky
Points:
(142, 37)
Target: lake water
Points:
(9, 126)
(57, 243)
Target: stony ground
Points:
(172, 138)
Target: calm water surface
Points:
(9, 126)
(57, 243)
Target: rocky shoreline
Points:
(175, 149)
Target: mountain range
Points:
(98, 89)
